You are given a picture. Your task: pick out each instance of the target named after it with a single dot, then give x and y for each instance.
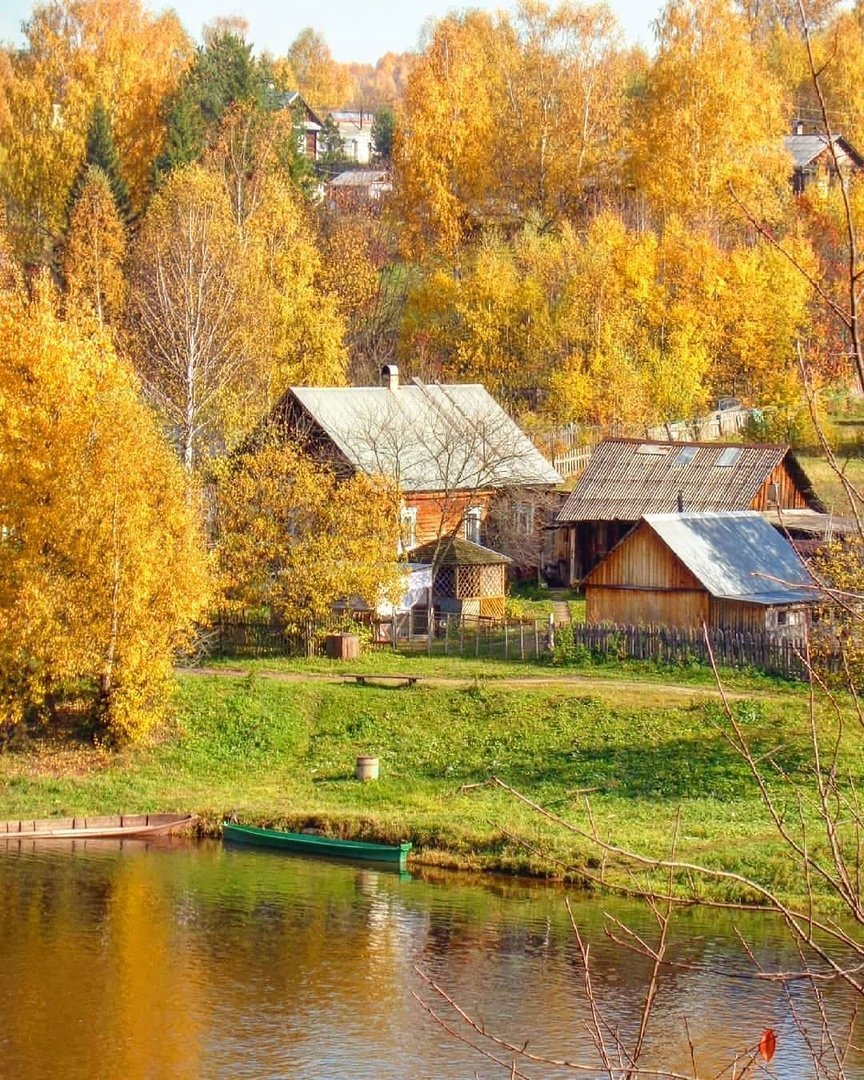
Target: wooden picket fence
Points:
(513, 640)
(680, 646)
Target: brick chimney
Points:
(390, 377)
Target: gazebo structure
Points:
(467, 579)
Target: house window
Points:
(408, 528)
(473, 520)
(781, 618)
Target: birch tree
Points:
(185, 309)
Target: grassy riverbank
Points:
(283, 752)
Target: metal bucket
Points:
(366, 768)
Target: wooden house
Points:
(450, 448)
(813, 160)
(625, 479)
(730, 571)
(308, 123)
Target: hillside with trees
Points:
(599, 235)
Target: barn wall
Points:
(739, 616)
(788, 495)
(646, 607)
(644, 560)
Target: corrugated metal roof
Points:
(428, 437)
(626, 479)
(736, 556)
(805, 148)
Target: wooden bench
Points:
(365, 678)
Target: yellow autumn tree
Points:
(320, 79)
(102, 570)
(445, 130)
(75, 52)
(294, 539)
(562, 106)
(94, 251)
(711, 116)
(188, 325)
(292, 324)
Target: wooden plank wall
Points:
(646, 607)
(644, 560)
(788, 495)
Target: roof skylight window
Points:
(729, 457)
(686, 455)
(654, 449)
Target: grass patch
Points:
(492, 669)
(283, 753)
(826, 482)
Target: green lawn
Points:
(828, 485)
(280, 752)
(388, 661)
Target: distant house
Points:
(450, 448)
(355, 189)
(625, 479)
(812, 157)
(309, 123)
(730, 571)
(355, 131)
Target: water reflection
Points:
(181, 960)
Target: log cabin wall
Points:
(441, 514)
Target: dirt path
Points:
(645, 689)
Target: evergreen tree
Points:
(332, 145)
(224, 73)
(101, 152)
(382, 133)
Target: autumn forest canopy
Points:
(598, 235)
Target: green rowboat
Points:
(309, 844)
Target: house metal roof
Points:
(628, 478)
(806, 148)
(360, 178)
(428, 437)
(737, 556)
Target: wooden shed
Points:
(628, 478)
(731, 571)
(467, 579)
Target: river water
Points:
(180, 960)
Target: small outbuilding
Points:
(628, 478)
(467, 578)
(730, 571)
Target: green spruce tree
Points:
(224, 73)
(101, 152)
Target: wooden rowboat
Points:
(310, 844)
(103, 827)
